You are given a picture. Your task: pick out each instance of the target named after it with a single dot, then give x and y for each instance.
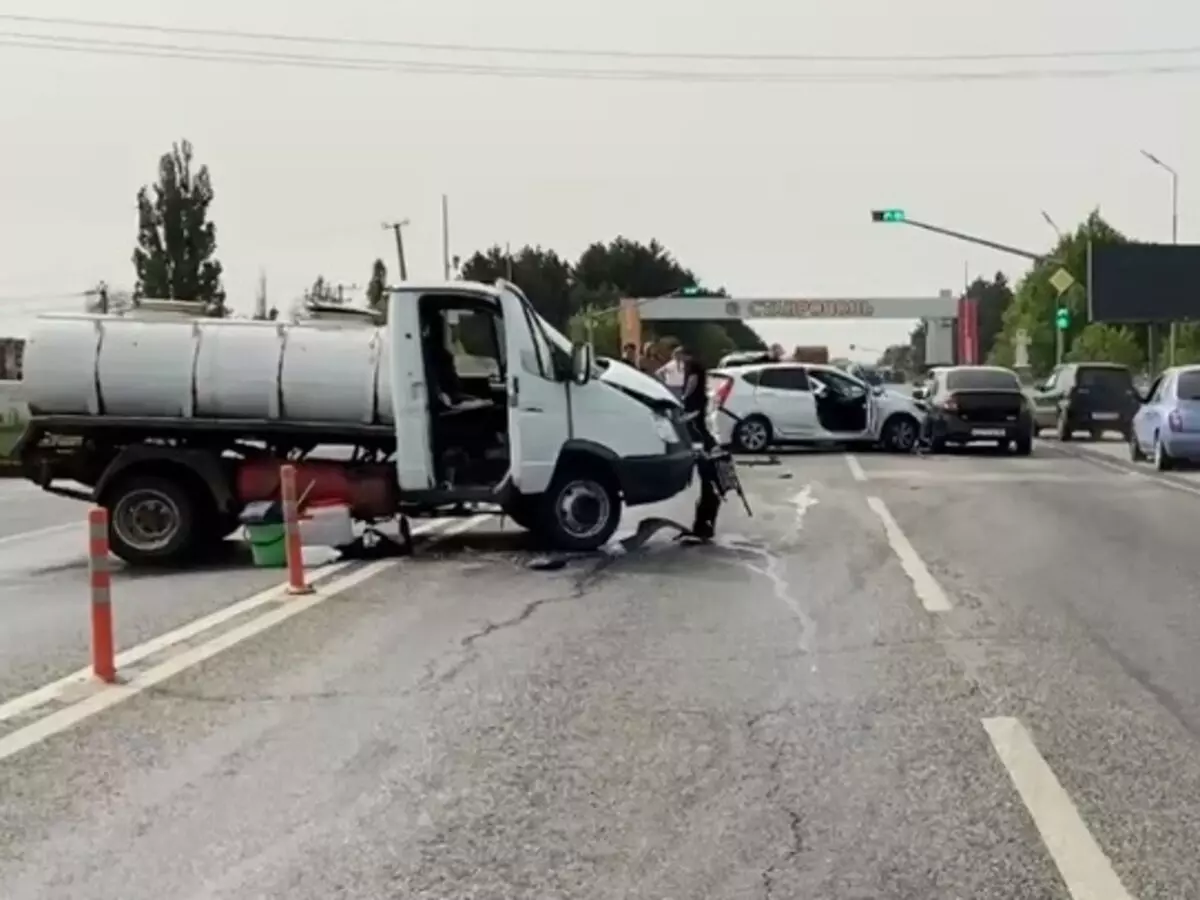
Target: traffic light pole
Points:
(1058, 346)
(972, 239)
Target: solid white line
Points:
(109, 696)
(1084, 867)
(856, 470)
(928, 591)
(26, 703)
(43, 532)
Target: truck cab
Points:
(493, 404)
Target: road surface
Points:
(968, 676)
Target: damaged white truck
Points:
(176, 424)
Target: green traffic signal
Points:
(692, 291)
(1062, 318)
(888, 215)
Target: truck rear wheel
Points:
(152, 520)
(581, 509)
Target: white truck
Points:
(175, 425)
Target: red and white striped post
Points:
(104, 663)
(291, 525)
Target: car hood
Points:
(625, 377)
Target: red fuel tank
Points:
(369, 489)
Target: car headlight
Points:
(666, 429)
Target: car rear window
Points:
(1105, 378)
(1189, 385)
(981, 380)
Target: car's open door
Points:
(405, 360)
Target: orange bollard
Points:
(291, 525)
(104, 663)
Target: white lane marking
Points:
(928, 591)
(926, 476)
(1084, 867)
(26, 703)
(45, 532)
(856, 470)
(109, 696)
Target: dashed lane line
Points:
(856, 470)
(927, 589)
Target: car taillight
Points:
(721, 394)
(1175, 420)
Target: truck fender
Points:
(202, 464)
(574, 449)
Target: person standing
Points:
(673, 373)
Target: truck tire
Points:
(581, 509)
(152, 521)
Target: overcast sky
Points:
(762, 187)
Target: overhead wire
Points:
(172, 51)
(610, 53)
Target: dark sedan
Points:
(967, 404)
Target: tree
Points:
(1033, 307)
(543, 276)
(174, 258)
(992, 298)
(322, 293)
(377, 287)
(1107, 343)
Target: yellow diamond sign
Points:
(1062, 281)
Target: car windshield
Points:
(1106, 378)
(1189, 385)
(981, 380)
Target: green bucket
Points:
(267, 545)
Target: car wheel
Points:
(1135, 449)
(1023, 446)
(1163, 461)
(937, 445)
(1062, 428)
(900, 433)
(752, 435)
(581, 510)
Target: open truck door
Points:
(539, 411)
(410, 394)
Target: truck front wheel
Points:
(581, 510)
(152, 520)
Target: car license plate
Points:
(1105, 417)
(987, 432)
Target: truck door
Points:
(405, 359)
(539, 421)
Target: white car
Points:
(754, 407)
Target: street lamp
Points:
(1053, 224)
(1174, 224)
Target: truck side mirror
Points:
(582, 361)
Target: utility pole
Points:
(398, 229)
(445, 238)
(508, 260)
(260, 300)
(1174, 240)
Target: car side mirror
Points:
(919, 393)
(583, 359)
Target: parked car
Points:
(1086, 396)
(755, 407)
(977, 403)
(1166, 427)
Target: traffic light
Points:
(692, 291)
(1062, 318)
(888, 215)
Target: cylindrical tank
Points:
(207, 368)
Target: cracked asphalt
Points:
(775, 716)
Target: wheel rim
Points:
(904, 435)
(754, 435)
(583, 509)
(146, 520)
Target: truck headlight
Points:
(666, 430)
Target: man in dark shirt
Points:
(695, 406)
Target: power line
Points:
(103, 47)
(331, 41)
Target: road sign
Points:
(1062, 281)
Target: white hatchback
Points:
(755, 407)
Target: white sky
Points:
(763, 188)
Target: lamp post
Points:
(1174, 229)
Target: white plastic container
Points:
(326, 525)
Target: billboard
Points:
(1143, 282)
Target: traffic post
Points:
(291, 524)
(104, 664)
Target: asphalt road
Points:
(968, 676)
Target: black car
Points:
(1086, 396)
(967, 404)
